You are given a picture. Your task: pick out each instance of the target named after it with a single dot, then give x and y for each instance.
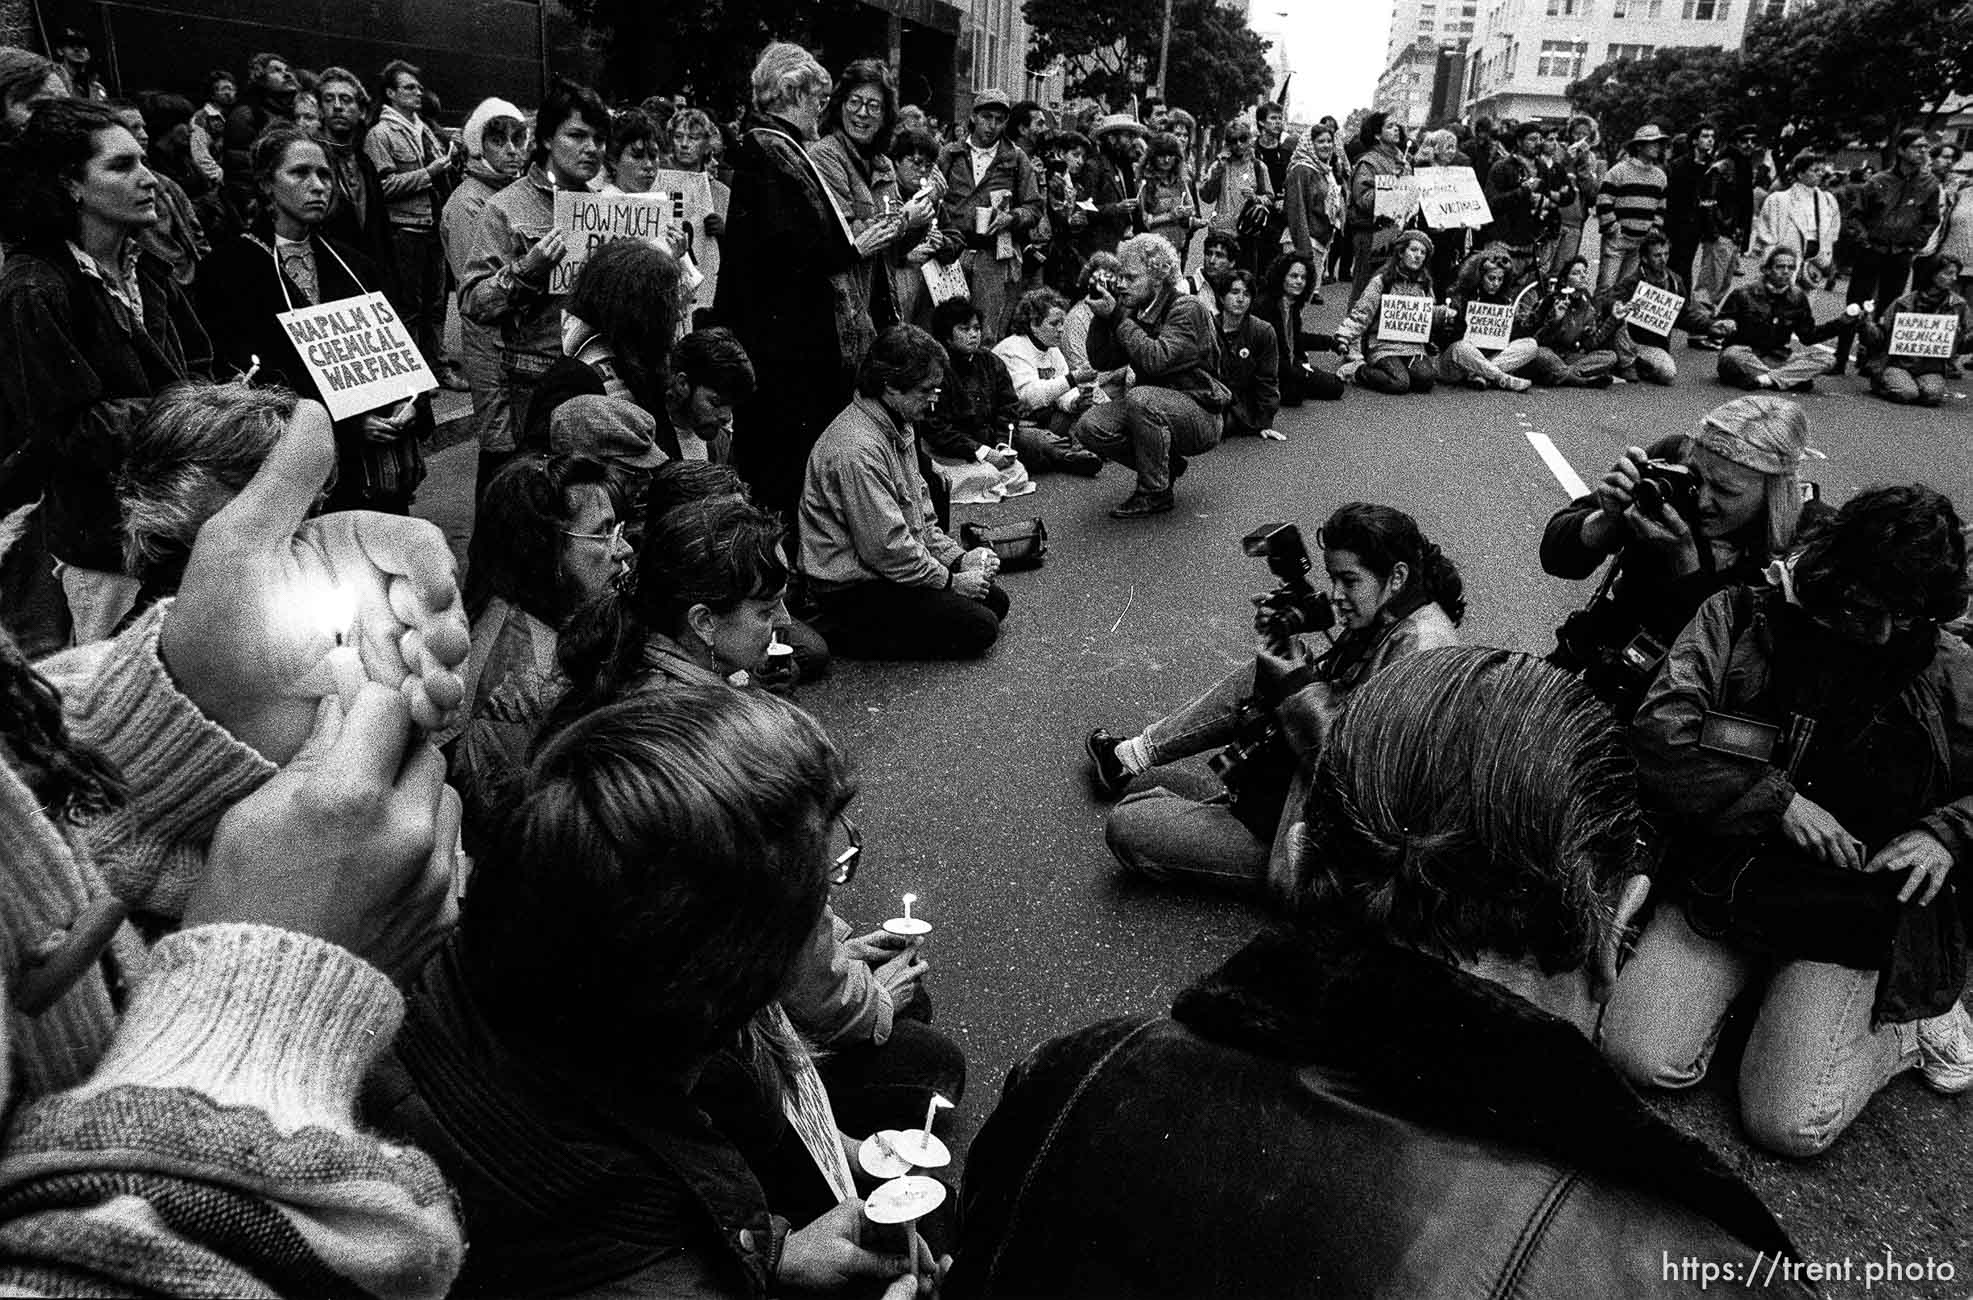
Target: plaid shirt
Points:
(126, 295)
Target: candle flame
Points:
(332, 609)
(911, 898)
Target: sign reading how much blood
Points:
(359, 353)
(589, 221)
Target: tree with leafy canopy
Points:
(1843, 70)
(712, 43)
(1673, 87)
(1109, 49)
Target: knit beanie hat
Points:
(474, 132)
(1769, 435)
(1413, 237)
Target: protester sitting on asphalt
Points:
(619, 323)
(654, 884)
(1051, 392)
(1482, 279)
(1390, 365)
(1641, 353)
(516, 247)
(1736, 512)
(885, 580)
(1288, 288)
(1808, 845)
(1392, 1091)
(1921, 380)
(1249, 359)
(1769, 332)
(1572, 333)
(168, 1107)
(1170, 411)
(709, 376)
(619, 435)
(547, 541)
(1395, 594)
(977, 409)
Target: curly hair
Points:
(628, 292)
(1902, 546)
(1033, 308)
(1154, 254)
(36, 164)
(861, 73)
(1275, 286)
(1473, 272)
(1470, 801)
(1383, 538)
(516, 550)
(1098, 264)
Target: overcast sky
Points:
(1335, 50)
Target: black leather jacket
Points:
(1333, 1116)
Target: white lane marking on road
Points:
(1558, 465)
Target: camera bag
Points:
(1021, 545)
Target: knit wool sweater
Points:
(207, 1141)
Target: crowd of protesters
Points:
(261, 742)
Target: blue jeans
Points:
(1145, 429)
(1177, 828)
(1813, 1061)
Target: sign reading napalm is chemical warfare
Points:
(1915, 334)
(589, 221)
(1405, 318)
(359, 353)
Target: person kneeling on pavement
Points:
(1393, 592)
(1904, 379)
(1174, 408)
(1392, 1091)
(1807, 751)
(885, 580)
(1759, 324)
(1692, 515)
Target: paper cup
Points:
(982, 218)
(780, 652)
(908, 927)
(905, 1200)
(893, 1153)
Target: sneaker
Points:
(1106, 771)
(1139, 504)
(1945, 1051)
(1515, 384)
(1082, 462)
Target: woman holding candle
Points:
(853, 158)
(284, 262)
(664, 870)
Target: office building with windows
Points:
(1526, 52)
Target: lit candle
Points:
(909, 899)
(333, 609)
(938, 1103)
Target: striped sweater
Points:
(1631, 201)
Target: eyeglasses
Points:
(842, 867)
(863, 107)
(614, 536)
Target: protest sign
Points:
(1917, 335)
(360, 354)
(1653, 310)
(589, 221)
(1489, 325)
(1397, 198)
(1405, 318)
(945, 280)
(1451, 198)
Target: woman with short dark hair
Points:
(91, 328)
(886, 580)
(1249, 358)
(635, 154)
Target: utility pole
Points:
(1164, 53)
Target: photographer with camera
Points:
(1392, 592)
(1693, 515)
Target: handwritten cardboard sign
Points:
(1451, 198)
(1653, 310)
(589, 221)
(1397, 197)
(1917, 335)
(945, 280)
(1405, 318)
(1489, 325)
(359, 353)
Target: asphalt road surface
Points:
(972, 780)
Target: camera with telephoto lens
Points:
(1294, 606)
(1666, 486)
